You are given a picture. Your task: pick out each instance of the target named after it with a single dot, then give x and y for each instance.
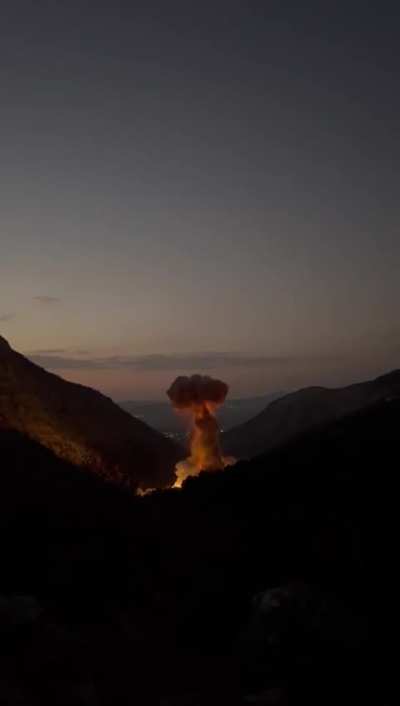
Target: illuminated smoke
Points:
(197, 390)
(199, 396)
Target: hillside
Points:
(258, 584)
(81, 425)
(293, 414)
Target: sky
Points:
(201, 187)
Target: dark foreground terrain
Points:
(257, 585)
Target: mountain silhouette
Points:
(297, 412)
(232, 413)
(261, 582)
(82, 426)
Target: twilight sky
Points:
(201, 187)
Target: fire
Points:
(200, 396)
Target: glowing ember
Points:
(200, 396)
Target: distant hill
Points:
(82, 426)
(300, 411)
(161, 416)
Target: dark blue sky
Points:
(201, 186)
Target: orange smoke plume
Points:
(200, 395)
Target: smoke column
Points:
(200, 395)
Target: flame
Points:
(205, 449)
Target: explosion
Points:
(199, 396)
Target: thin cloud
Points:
(158, 362)
(50, 352)
(61, 351)
(46, 300)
